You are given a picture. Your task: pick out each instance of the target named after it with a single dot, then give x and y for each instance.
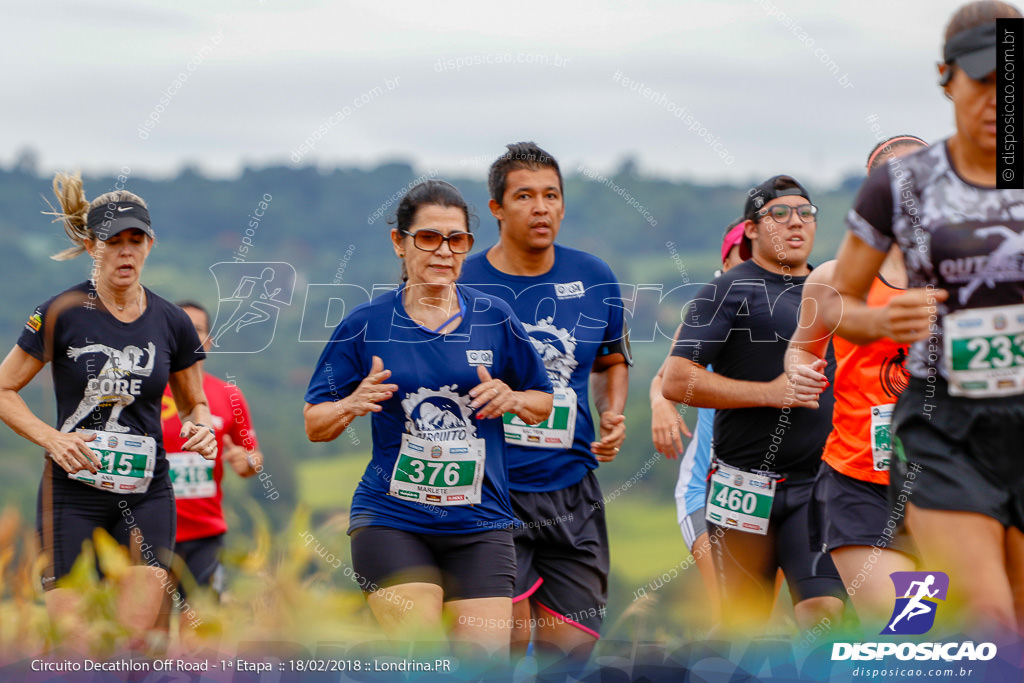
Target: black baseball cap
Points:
(108, 219)
(770, 189)
(973, 50)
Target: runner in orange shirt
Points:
(850, 510)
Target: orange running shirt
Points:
(866, 376)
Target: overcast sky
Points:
(772, 85)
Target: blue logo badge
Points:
(917, 596)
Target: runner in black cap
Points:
(959, 425)
(767, 445)
(114, 345)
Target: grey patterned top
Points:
(954, 235)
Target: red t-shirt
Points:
(197, 488)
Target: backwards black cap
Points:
(761, 194)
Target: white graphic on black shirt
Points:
(1004, 263)
(557, 348)
(439, 414)
(112, 387)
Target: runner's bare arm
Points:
(904, 319)
(69, 450)
(805, 355)
(691, 383)
(193, 409)
(666, 422)
(326, 421)
(243, 462)
(609, 384)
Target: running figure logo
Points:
(1002, 264)
(257, 293)
(113, 387)
(914, 613)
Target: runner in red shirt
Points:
(197, 483)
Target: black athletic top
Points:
(741, 323)
(107, 374)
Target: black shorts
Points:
(958, 453)
(562, 552)
(809, 572)
(847, 511)
(466, 566)
(202, 558)
(68, 511)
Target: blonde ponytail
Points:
(74, 210)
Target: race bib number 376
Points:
(439, 472)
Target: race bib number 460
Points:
(439, 472)
(984, 351)
(557, 431)
(127, 462)
(740, 500)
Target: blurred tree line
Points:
(323, 223)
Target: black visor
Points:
(107, 220)
(973, 50)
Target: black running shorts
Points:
(466, 566)
(68, 511)
(562, 553)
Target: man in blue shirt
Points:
(570, 304)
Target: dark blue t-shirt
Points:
(571, 312)
(434, 374)
(107, 374)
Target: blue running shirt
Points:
(571, 313)
(434, 374)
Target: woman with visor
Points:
(959, 425)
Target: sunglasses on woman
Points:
(427, 239)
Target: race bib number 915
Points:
(127, 462)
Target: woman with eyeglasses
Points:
(437, 365)
(957, 472)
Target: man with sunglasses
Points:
(565, 299)
(767, 444)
